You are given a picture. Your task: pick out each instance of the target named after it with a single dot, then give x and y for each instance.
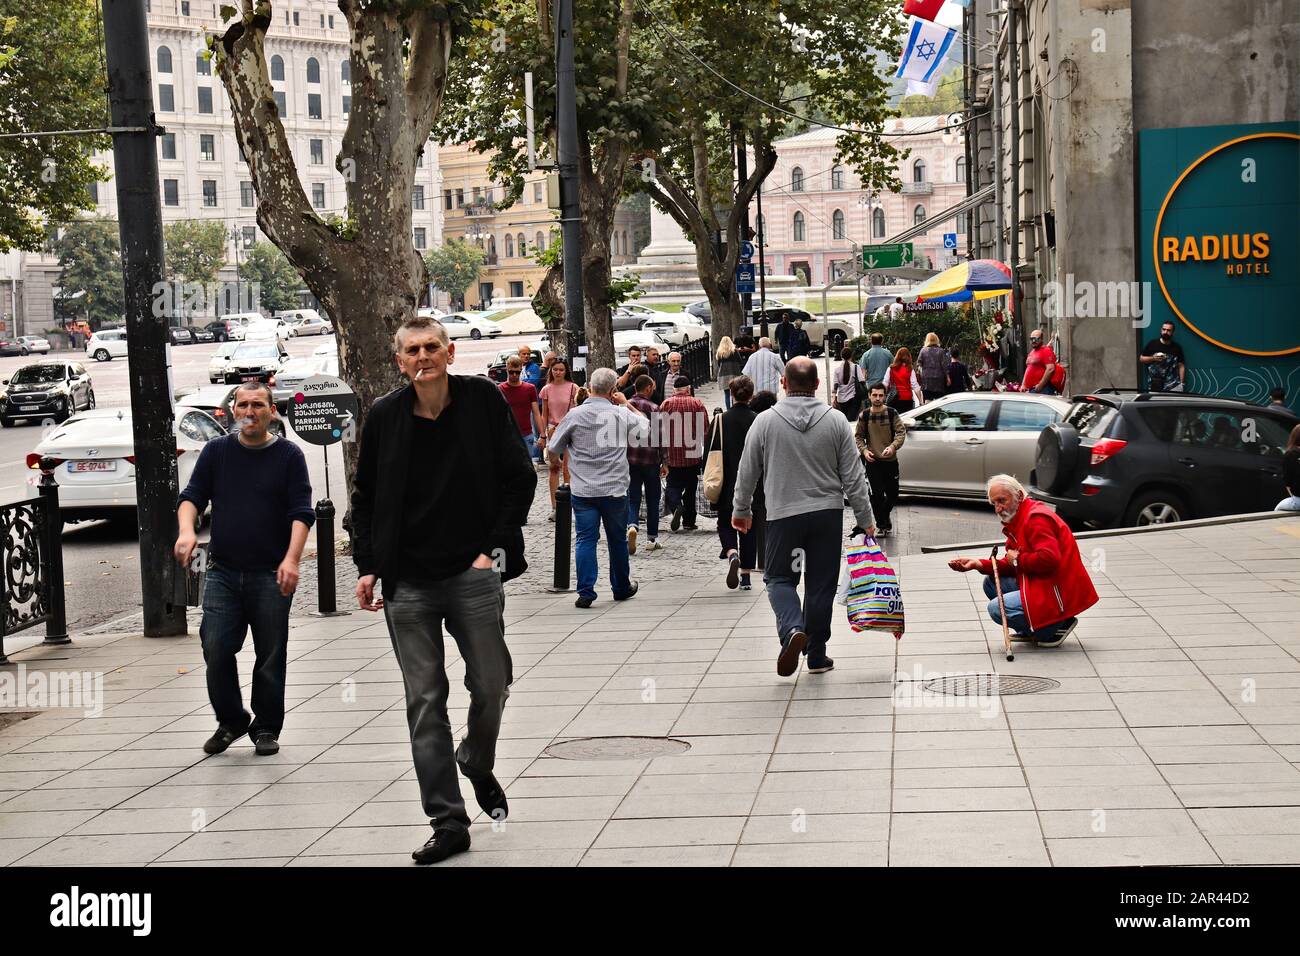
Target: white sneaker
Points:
(655, 545)
(631, 539)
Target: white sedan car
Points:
(676, 331)
(266, 330)
(92, 456)
(645, 338)
(468, 325)
(35, 344)
(220, 359)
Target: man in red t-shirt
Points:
(521, 396)
(1040, 366)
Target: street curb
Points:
(1115, 532)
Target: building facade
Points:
(1109, 128)
(816, 213)
(200, 168)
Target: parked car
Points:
(632, 316)
(497, 370)
(256, 362)
(264, 329)
(220, 360)
(704, 313)
(106, 345)
(45, 390)
(642, 337)
(818, 331)
(955, 443)
(180, 335)
(430, 312)
(462, 325)
(1124, 458)
(12, 346)
(93, 454)
(232, 326)
(295, 372)
(310, 325)
(218, 401)
(35, 344)
(677, 331)
(200, 333)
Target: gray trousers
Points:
(809, 543)
(471, 605)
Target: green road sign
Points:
(890, 256)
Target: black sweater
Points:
(494, 478)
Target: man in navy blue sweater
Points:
(261, 512)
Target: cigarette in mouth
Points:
(418, 374)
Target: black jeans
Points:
(679, 491)
(733, 540)
(809, 543)
(882, 476)
(233, 603)
(644, 478)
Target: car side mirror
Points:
(4, 381)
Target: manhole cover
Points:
(990, 685)
(616, 748)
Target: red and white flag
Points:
(925, 9)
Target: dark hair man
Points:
(880, 434)
(261, 513)
(1163, 358)
(443, 486)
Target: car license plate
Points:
(78, 467)
(28, 408)
(249, 378)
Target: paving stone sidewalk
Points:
(1173, 738)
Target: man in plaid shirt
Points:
(682, 424)
(645, 463)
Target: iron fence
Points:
(696, 360)
(31, 581)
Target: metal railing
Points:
(31, 580)
(696, 360)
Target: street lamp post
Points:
(236, 235)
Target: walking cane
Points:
(1002, 605)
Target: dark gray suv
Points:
(1126, 458)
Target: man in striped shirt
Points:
(765, 368)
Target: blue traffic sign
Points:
(950, 240)
(745, 273)
(746, 250)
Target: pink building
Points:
(816, 212)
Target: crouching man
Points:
(1045, 586)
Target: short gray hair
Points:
(602, 381)
(765, 343)
(1009, 482)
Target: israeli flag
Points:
(923, 52)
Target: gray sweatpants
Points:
(812, 544)
(471, 605)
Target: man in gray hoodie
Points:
(809, 464)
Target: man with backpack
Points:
(880, 433)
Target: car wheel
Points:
(6, 422)
(475, 334)
(90, 400)
(24, 351)
(1156, 507)
(102, 355)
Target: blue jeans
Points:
(644, 478)
(588, 515)
(808, 545)
(1016, 619)
(530, 442)
(233, 602)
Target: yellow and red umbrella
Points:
(967, 281)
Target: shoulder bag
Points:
(713, 465)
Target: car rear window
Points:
(1163, 422)
(1091, 419)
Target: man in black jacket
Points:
(442, 488)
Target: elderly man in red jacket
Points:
(1045, 586)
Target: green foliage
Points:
(623, 289)
(195, 249)
(946, 99)
(51, 77)
(90, 261)
(552, 255)
(953, 326)
(455, 266)
(278, 281)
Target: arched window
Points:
(624, 242)
(523, 249)
(796, 179)
(878, 224)
(164, 60)
(798, 227)
(345, 71)
(837, 224)
(918, 215)
(837, 177)
(492, 246)
(918, 171)
(539, 243)
(313, 70)
(510, 246)
(277, 68)
(961, 169)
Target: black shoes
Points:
(266, 743)
(222, 739)
(584, 602)
(820, 667)
(733, 573)
(632, 588)
(487, 791)
(744, 582)
(1063, 630)
(787, 662)
(677, 519)
(444, 843)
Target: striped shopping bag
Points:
(875, 600)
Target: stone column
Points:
(668, 244)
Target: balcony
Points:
(918, 189)
(491, 258)
(480, 208)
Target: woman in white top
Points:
(844, 383)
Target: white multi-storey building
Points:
(202, 173)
